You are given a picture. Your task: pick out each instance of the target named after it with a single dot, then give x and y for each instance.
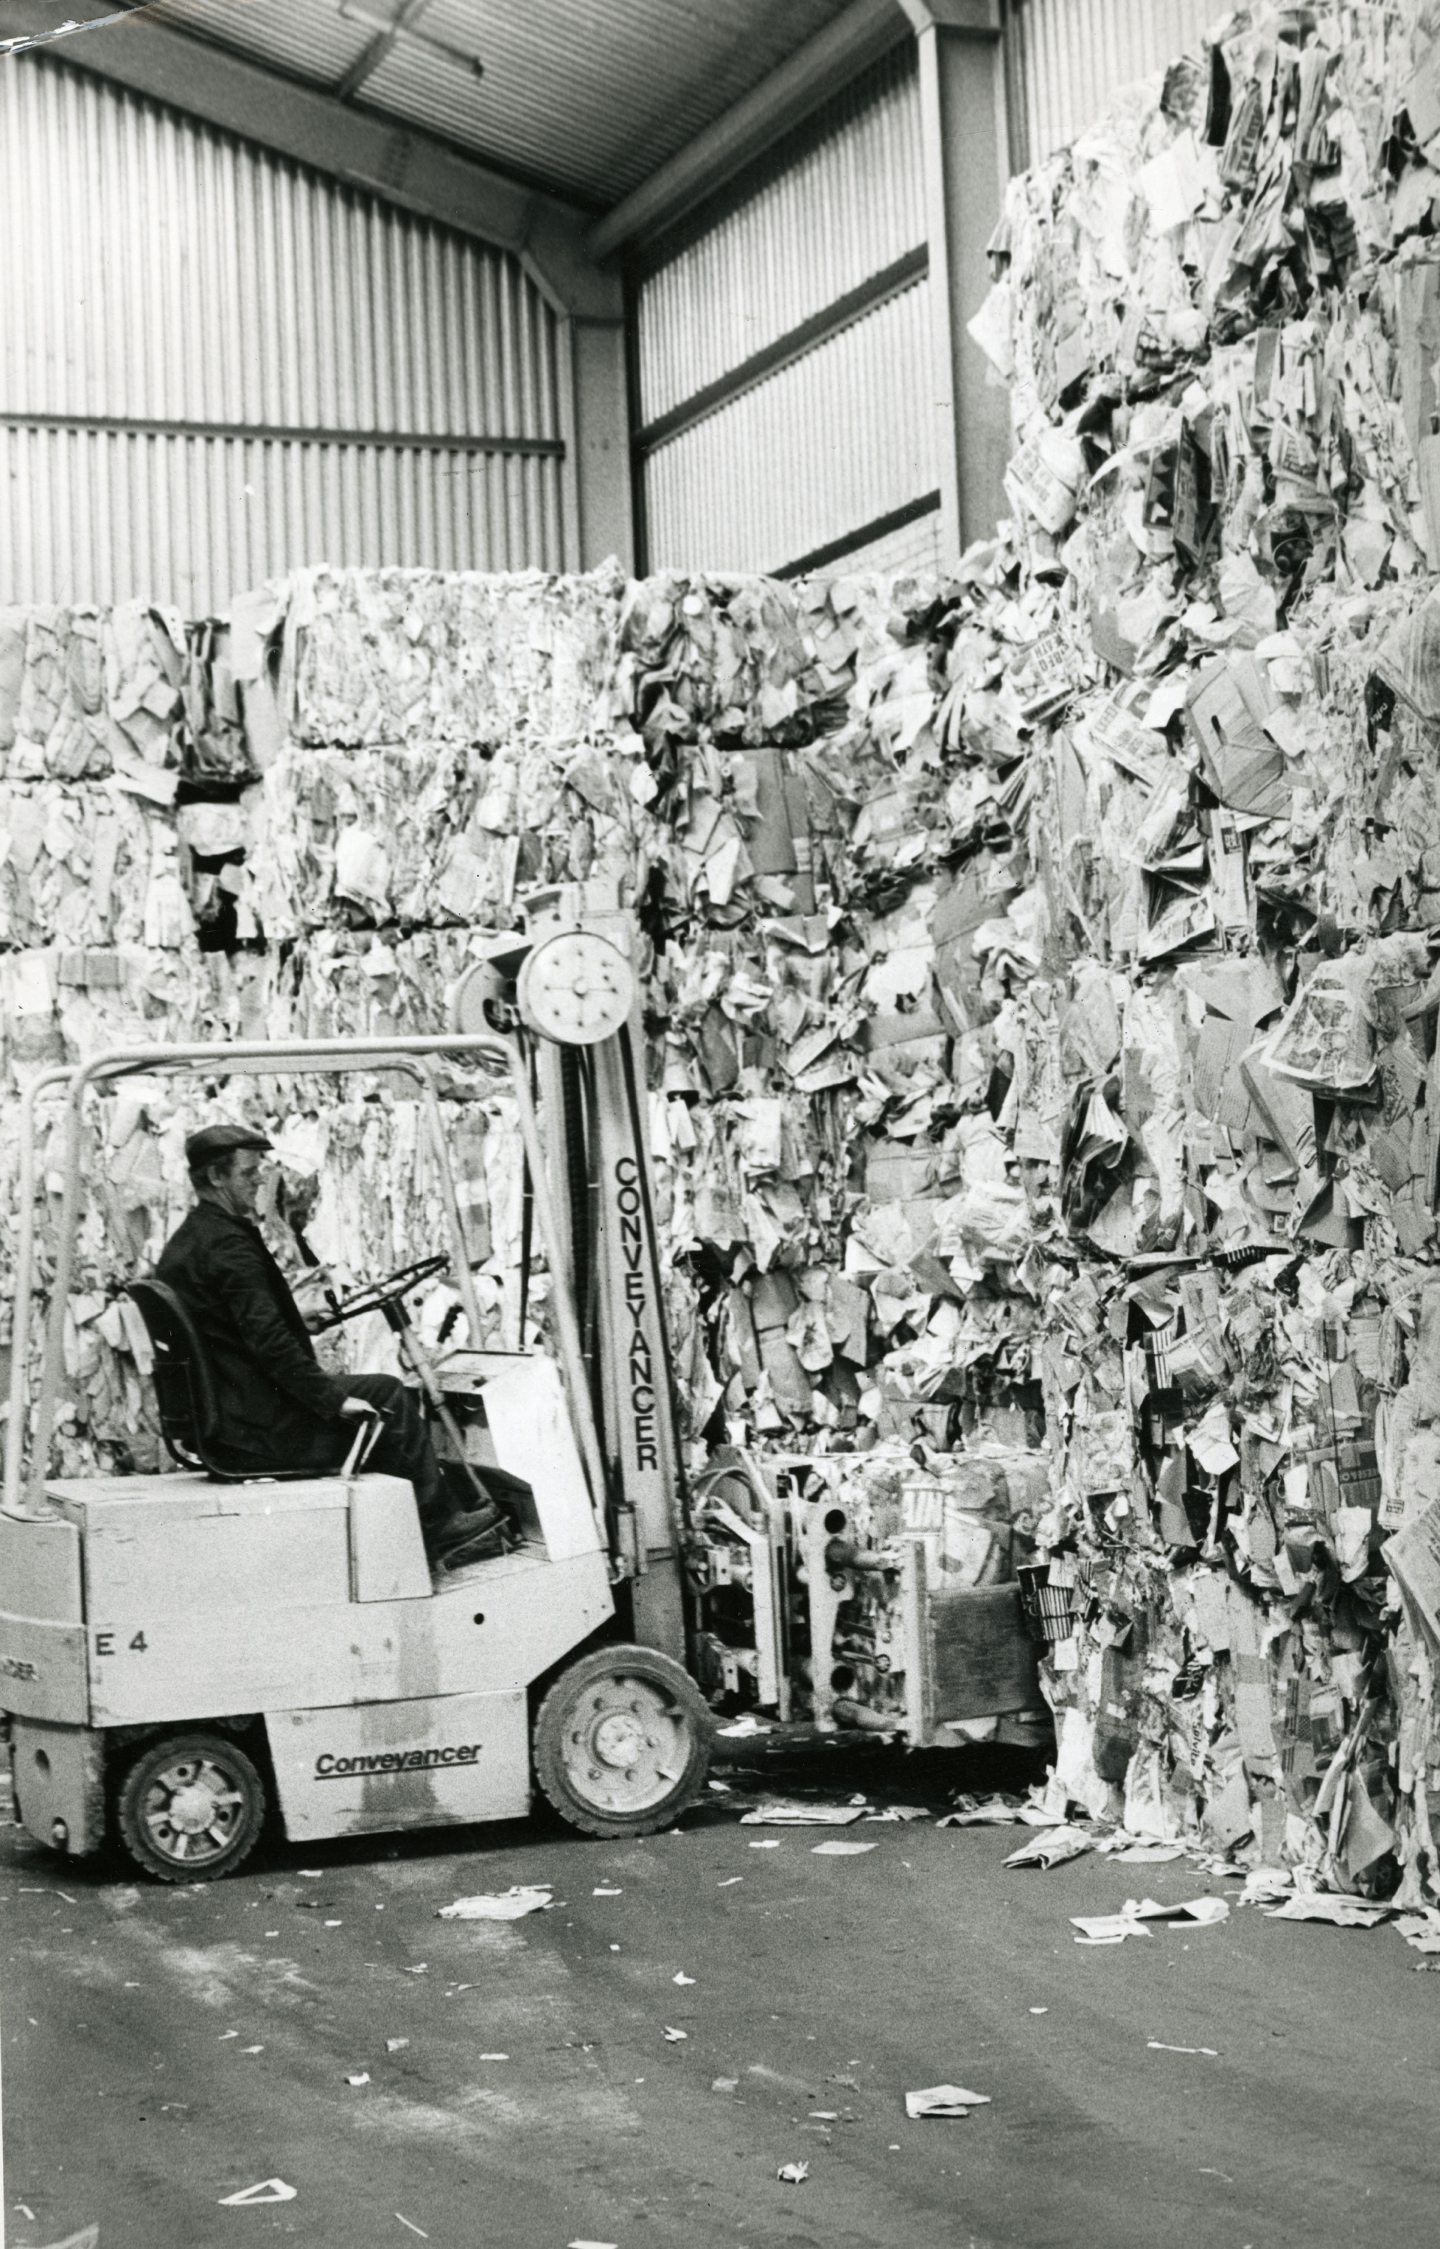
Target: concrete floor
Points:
(135, 2095)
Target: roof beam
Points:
(977, 19)
(825, 64)
(407, 168)
(375, 50)
(387, 30)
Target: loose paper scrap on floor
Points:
(1282, 1896)
(1343, 1913)
(793, 2173)
(785, 1814)
(1053, 1847)
(944, 2100)
(1205, 1913)
(502, 1905)
(269, 2190)
(1114, 1928)
(983, 1811)
(1421, 1930)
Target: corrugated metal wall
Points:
(1069, 58)
(829, 445)
(769, 434)
(782, 361)
(215, 365)
(850, 205)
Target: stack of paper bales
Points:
(1040, 965)
(1200, 665)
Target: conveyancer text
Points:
(395, 1761)
(642, 1367)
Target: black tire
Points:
(173, 1776)
(617, 1703)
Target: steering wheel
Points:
(376, 1296)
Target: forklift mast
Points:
(567, 994)
(812, 1589)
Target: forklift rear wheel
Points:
(191, 1808)
(622, 1742)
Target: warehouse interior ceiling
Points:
(584, 141)
(583, 99)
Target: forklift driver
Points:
(278, 1408)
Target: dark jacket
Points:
(269, 1386)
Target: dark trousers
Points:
(403, 1447)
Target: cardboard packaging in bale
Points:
(1041, 962)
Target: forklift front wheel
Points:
(191, 1808)
(622, 1742)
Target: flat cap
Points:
(214, 1141)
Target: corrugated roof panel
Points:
(423, 89)
(305, 38)
(600, 92)
(589, 96)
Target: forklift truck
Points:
(182, 1653)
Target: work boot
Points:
(475, 1512)
(463, 1492)
(473, 1546)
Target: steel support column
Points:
(963, 120)
(598, 442)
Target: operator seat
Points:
(185, 1397)
(184, 1388)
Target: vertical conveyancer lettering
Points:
(630, 1210)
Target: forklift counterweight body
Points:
(389, 1697)
(59, 1778)
(428, 1762)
